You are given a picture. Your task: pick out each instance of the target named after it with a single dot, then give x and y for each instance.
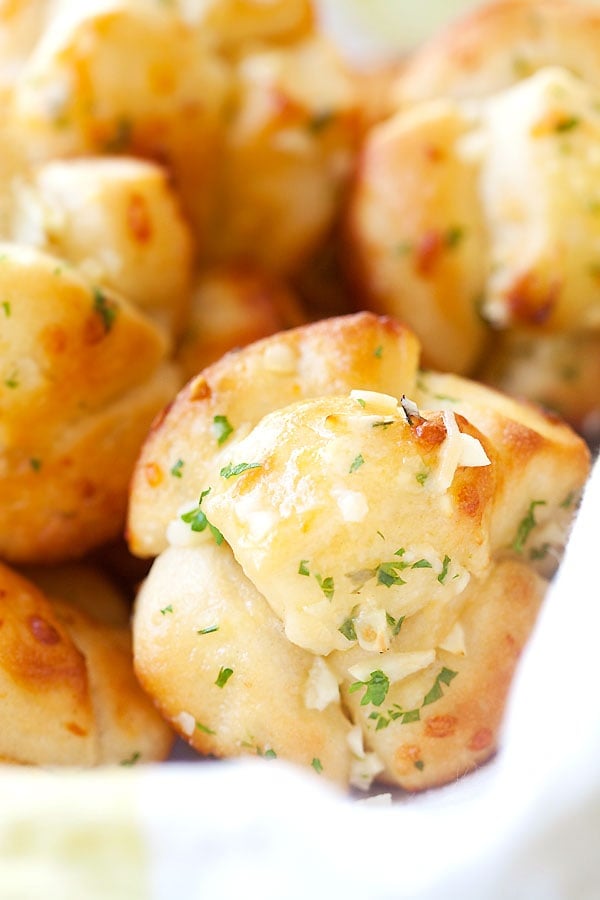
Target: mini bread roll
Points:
(119, 222)
(83, 91)
(287, 156)
(196, 435)
(69, 694)
(366, 567)
(415, 234)
(82, 374)
(498, 43)
(229, 641)
(468, 219)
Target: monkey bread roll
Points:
(118, 220)
(69, 693)
(345, 576)
(82, 375)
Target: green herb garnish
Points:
(223, 676)
(222, 428)
(444, 573)
(230, 470)
(376, 688)
(106, 309)
(357, 462)
(526, 526)
(196, 519)
(176, 469)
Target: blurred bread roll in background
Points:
(70, 696)
(82, 375)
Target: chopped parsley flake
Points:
(268, 754)
(384, 423)
(422, 564)
(317, 765)
(6, 308)
(176, 469)
(326, 585)
(210, 629)
(223, 676)
(376, 688)
(229, 471)
(357, 462)
(106, 309)
(131, 761)
(204, 728)
(166, 609)
(36, 464)
(361, 402)
(444, 573)
(540, 552)
(222, 428)
(303, 567)
(348, 630)
(445, 676)
(406, 716)
(387, 573)
(526, 526)
(569, 500)
(378, 352)
(419, 764)
(196, 519)
(394, 624)
(567, 123)
(12, 381)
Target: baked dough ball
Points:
(220, 406)
(113, 76)
(232, 307)
(119, 222)
(69, 694)
(288, 150)
(468, 215)
(496, 44)
(560, 372)
(415, 233)
(82, 374)
(371, 555)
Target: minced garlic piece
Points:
(454, 642)
(363, 771)
(371, 629)
(353, 505)
(395, 665)
(186, 722)
(321, 687)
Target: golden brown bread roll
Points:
(375, 562)
(470, 219)
(84, 92)
(119, 222)
(69, 694)
(82, 375)
(220, 406)
(287, 156)
(498, 43)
